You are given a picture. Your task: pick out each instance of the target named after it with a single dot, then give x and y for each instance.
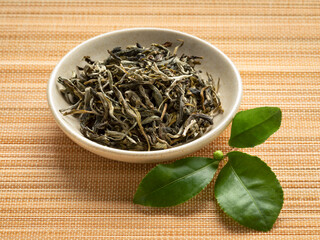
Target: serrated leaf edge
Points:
(251, 146)
(282, 198)
(193, 195)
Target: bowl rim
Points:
(101, 148)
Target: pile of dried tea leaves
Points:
(142, 98)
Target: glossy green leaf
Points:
(171, 184)
(253, 127)
(248, 191)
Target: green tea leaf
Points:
(253, 127)
(248, 191)
(171, 184)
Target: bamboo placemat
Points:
(52, 188)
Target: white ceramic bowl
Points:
(214, 61)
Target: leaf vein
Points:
(251, 127)
(243, 185)
(178, 179)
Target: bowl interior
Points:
(213, 62)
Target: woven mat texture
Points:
(52, 188)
